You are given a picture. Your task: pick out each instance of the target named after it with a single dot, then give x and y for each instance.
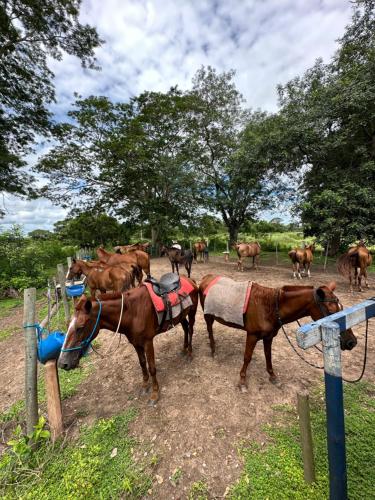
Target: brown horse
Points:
(138, 322)
(177, 257)
(357, 258)
(247, 250)
(109, 278)
(269, 308)
(302, 257)
(131, 248)
(142, 259)
(199, 248)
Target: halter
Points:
(85, 343)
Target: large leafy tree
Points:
(91, 229)
(328, 118)
(30, 32)
(229, 150)
(129, 159)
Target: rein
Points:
(319, 302)
(85, 343)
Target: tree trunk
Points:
(233, 234)
(334, 245)
(154, 240)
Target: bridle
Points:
(86, 342)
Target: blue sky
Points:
(154, 44)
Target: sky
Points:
(154, 44)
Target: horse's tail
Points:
(346, 262)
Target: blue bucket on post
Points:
(50, 347)
(74, 290)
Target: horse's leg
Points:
(191, 314)
(294, 270)
(172, 264)
(253, 261)
(308, 270)
(257, 257)
(209, 322)
(365, 275)
(251, 341)
(299, 271)
(267, 345)
(188, 268)
(149, 347)
(177, 268)
(360, 281)
(185, 326)
(142, 361)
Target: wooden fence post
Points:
(306, 437)
(69, 260)
(61, 278)
(53, 399)
(31, 367)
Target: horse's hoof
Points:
(273, 380)
(212, 354)
(144, 391)
(189, 358)
(243, 389)
(152, 403)
(183, 352)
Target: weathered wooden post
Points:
(335, 411)
(31, 367)
(61, 278)
(306, 437)
(53, 399)
(69, 260)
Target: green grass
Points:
(6, 333)
(7, 306)
(69, 384)
(88, 468)
(198, 491)
(275, 471)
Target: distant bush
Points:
(26, 262)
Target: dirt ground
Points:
(201, 417)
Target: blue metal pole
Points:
(335, 411)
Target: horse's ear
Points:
(88, 306)
(74, 260)
(320, 293)
(332, 285)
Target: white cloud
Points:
(154, 44)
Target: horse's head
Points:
(311, 247)
(83, 327)
(327, 303)
(75, 270)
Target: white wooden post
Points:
(31, 366)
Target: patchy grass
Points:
(198, 491)
(7, 306)
(276, 470)
(99, 464)
(6, 332)
(69, 383)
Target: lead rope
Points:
(108, 352)
(298, 354)
(320, 350)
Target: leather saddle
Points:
(169, 282)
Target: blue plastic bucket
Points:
(74, 290)
(50, 347)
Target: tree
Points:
(329, 125)
(228, 150)
(30, 32)
(91, 230)
(129, 159)
(40, 234)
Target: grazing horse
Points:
(268, 309)
(357, 258)
(136, 318)
(177, 257)
(131, 248)
(302, 257)
(247, 250)
(199, 248)
(142, 259)
(108, 278)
